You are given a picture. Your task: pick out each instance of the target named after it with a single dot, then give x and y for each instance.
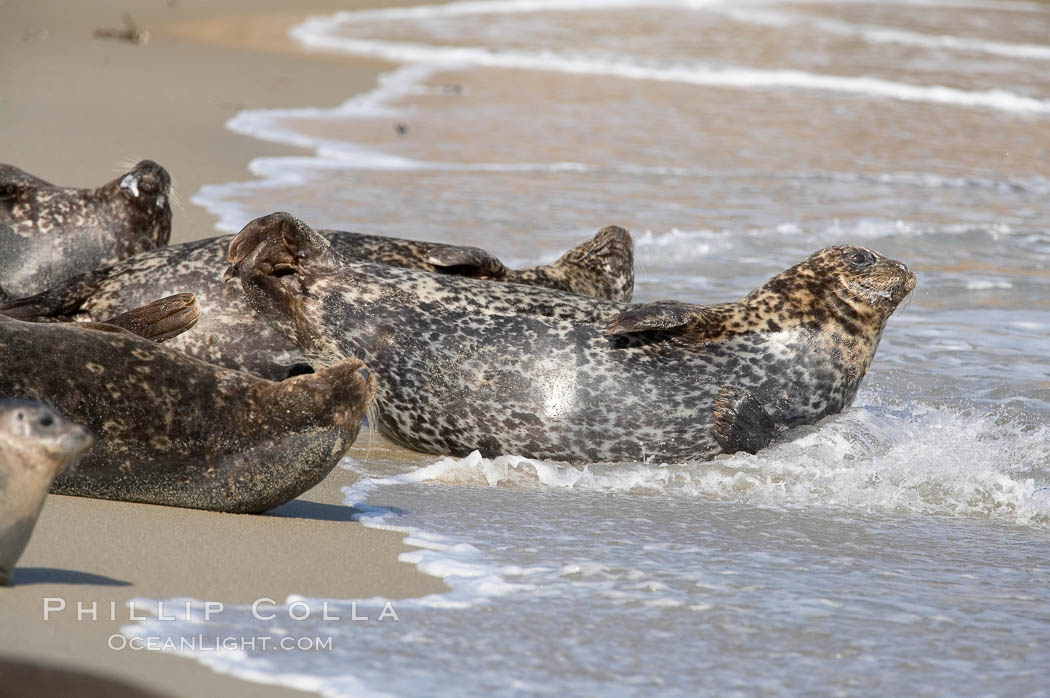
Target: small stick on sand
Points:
(132, 32)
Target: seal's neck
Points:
(847, 331)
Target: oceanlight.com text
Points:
(215, 643)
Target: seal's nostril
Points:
(364, 373)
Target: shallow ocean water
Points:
(898, 548)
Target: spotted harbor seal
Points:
(229, 334)
(50, 233)
(177, 431)
(602, 267)
(36, 445)
(462, 366)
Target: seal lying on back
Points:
(230, 335)
(51, 233)
(174, 430)
(464, 367)
(36, 445)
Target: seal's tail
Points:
(161, 319)
(607, 259)
(338, 394)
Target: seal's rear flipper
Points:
(466, 261)
(278, 244)
(741, 422)
(608, 259)
(162, 319)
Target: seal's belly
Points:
(454, 383)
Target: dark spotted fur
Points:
(173, 430)
(464, 366)
(50, 233)
(228, 333)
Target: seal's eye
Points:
(860, 259)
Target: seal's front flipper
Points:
(473, 261)
(741, 422)
(162, 319)
(60, 303)
(697, 323)
(608, 260)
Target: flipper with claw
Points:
(741, 422)
(161, 319)
(474, 260)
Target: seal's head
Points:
(847, 282)
(147, 189)
(34, 436)
(605, 263)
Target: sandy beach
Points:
(74, 110)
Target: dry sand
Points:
(75, 109)
(72, 109)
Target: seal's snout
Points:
(74, 443)
(34, 422)
(907, 278)
(152, 178)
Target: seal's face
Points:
(856, 278)
(30, 429)
(147, 187)
(867, 280)
(607, 261)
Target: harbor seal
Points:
(461, 368)
(36, 446)
(50, 233)
(177, 431)
(602, 267)
(229, 334)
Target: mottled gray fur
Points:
(50, 233)
(228, 333)
(466, 366)
(181, 432)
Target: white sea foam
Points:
(987, 285)
(319, 33)
(885, 35)
(926, 461)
